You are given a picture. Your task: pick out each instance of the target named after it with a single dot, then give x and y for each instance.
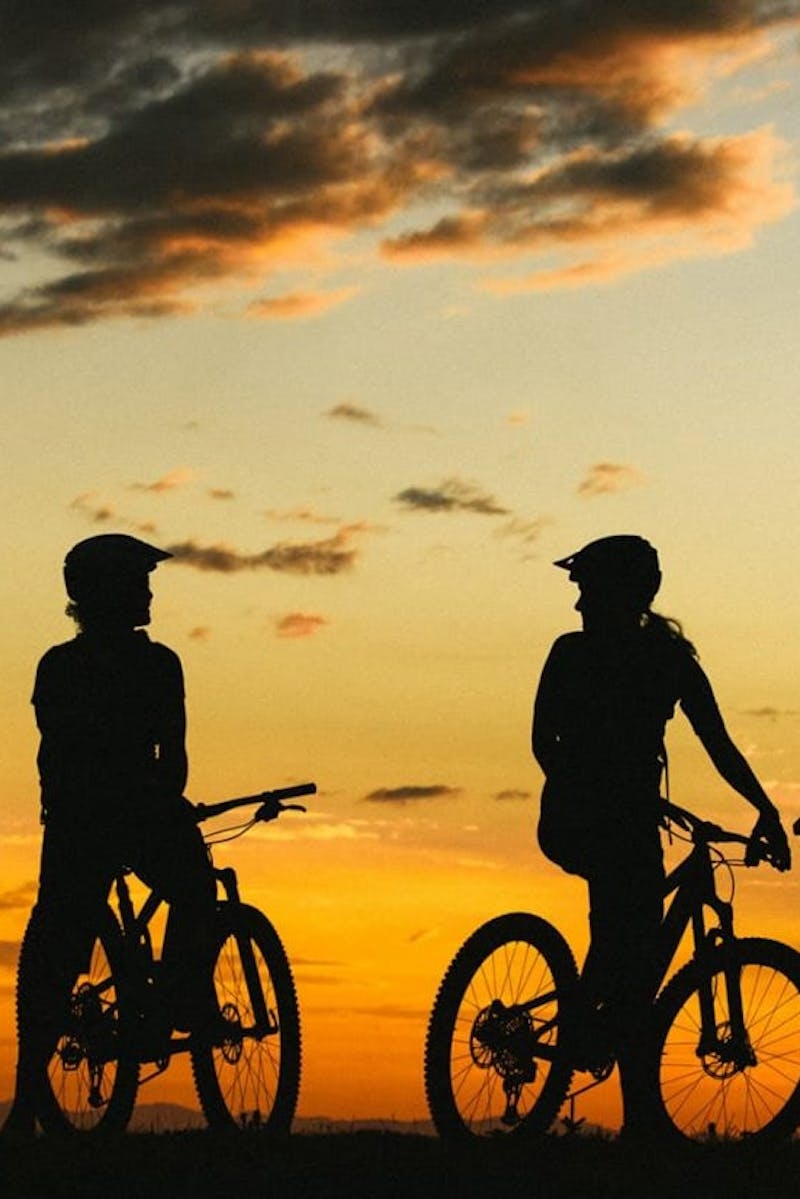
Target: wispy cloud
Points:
(513, 793)
(168, 482)
(9, 952)
(454, 495)
(300, 624)
(330, 556)
(144, 176)
(221, 493)
(411, 793)
(606, 478)
(355, 413)
(19, 898)
(526, 530)
(300, 305)
(101, 512)
(769, 713)
(301, 515)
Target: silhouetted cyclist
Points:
(603, 701)
(112, 764)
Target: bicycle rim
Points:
(92, 1082)
(252, 1079)
(725, 1086)
(492, 1059)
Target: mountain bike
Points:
(248, 1076)
(507, 1032)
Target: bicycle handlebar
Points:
(272, 803)
(702, 832)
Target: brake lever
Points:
(271, 810)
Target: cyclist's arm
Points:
(700, 705)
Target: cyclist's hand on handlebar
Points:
(768, 843)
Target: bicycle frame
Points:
(141, 958)
(691, 883)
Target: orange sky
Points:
(370, 319)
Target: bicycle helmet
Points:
(624, 561)
(100, 559)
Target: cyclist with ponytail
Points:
(600, 714)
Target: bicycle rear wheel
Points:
(712, 1083)
(252, 1079)
(91, 1080)
(493, 1059)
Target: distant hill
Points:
(174, 1117)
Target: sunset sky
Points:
(368, 312)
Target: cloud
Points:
(101, 512)
(301, 304)
(330, 556)
(9, 952)
(97, 511)
(527, 530)
(606, 478)
(20, 898)
(355, 413)
(410, 793)
(769, 713)
(300, 624)
(150, 153)
(454, 495)
(168, 482)
(302, 515)
(201, 632)
(513, 794)
(222, 493)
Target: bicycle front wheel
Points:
(714, 1079)
(493, 1056)
(93, 1075)
(252, 1079)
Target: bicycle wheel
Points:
(252, 1079)
(492, 1054)
(92, 1081)
(713, 1083)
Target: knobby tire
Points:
(252, 1079)
(702, 1094)
(97, 1030)
(512, 959)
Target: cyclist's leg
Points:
(73, 884)
(170, 855)
(626, 907)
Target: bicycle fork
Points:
(265, 1021)
(724, 1044)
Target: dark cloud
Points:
(9, 952)
(513, 794)
(355, 413)
(410, 793)
(222, 493)
(19, 898)
(454, 495)
(139, 174)
(770, 713)
(330, 556)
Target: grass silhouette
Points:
(381, 1165)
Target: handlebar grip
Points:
(281, 793)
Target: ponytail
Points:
(665, 628)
